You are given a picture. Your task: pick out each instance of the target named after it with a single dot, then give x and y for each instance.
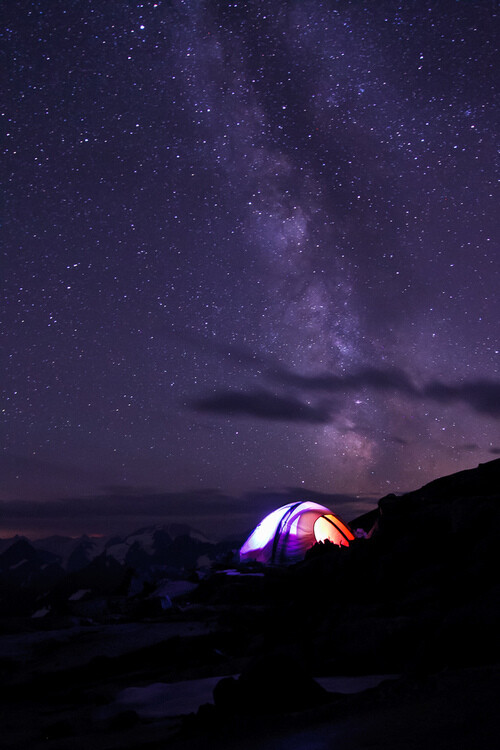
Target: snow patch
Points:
(174, 699)
(79, 595)
(173, 589)
(40, 613)
(17, 565)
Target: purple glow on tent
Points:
(287, 533)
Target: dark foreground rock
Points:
(422, 593)
(452, 710)
(269, 685)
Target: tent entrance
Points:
(325, 528)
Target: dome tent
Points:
(285, 535)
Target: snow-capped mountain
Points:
(73, 554)
(54, 571)
(173, 545)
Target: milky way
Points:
(248, 245)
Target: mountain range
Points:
(37, 575)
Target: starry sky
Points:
(246, 246)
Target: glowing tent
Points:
(286, 534)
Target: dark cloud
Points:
(481, 395)
(397, 440)
(214, 512)
(118, 490)
(124, 504)
(263, 405)
(495, 451)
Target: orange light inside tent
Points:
(325, 529)
(346, 531)
(328, 527)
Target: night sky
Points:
(246, 246)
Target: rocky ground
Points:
(420, 599)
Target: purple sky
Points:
(246, 246)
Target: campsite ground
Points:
(129, 699)
(419, 599)
(131, 685)
(60, 687)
